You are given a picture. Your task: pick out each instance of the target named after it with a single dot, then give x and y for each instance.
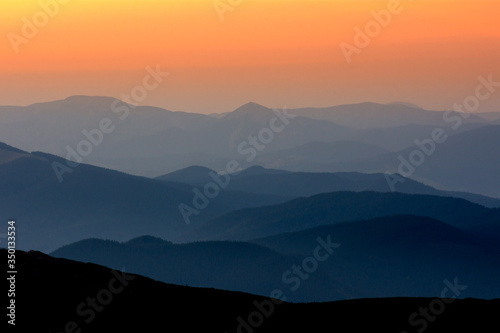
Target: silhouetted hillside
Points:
(490, 224)
(259, 180)
(96, 202)
(401, 256)
(223, 265)
(49, 292)
(384, 257)
(330, 208)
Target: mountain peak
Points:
(251, 107)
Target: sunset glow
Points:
(271, 52)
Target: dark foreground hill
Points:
(57, 295)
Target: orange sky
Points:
(274, 52)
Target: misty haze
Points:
(250, 166)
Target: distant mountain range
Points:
(141, 304)
(373, 115)
(152, 141)
(148, 140)
(373, 206)
(465, 162)
(93, 202)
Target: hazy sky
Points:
(274, 52)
